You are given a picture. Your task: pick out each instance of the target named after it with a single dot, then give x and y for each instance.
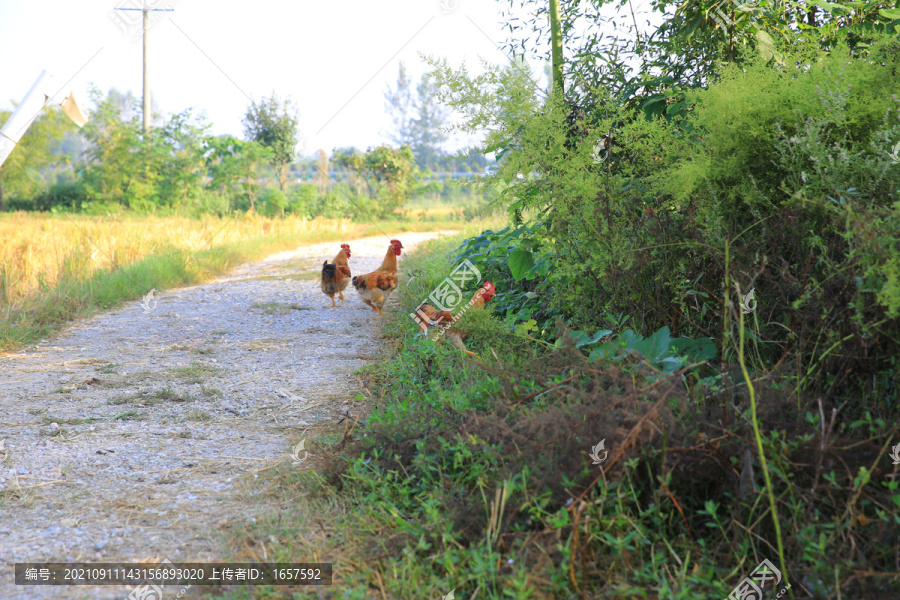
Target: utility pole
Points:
(146, 29)
(146, 76)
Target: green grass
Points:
(170, 395)
(129, 416)
(198, 415)
(71, 420)
(279, 308)
(195, 371)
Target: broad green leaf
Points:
(583, 339)
(767, 47)
(654, 347)
(695, 350)
(605, 351)
(520, 263)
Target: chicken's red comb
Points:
(347, 246)
(489, 287)
(396, 243)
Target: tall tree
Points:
(416, 118)
(401, 108)
(273, 123)
(119, 166)
(428, 137)
(232, 163)
(21, 175)
(180, 141)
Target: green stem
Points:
(556, 47)
(759, 443)
(725, 304)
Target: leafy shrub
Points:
(301, 199)
(101, 208)
(206, 202)
(272, 202)
(14, 204)
(62, 196)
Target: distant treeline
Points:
(113, 165)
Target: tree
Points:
(119, 164)
(223, 162)
(417, 118)
(390, 174)
(232, 162)
(20, 176)
(427, 135)
(273, 123)
(142, 170)
(179, 144)
(401, 108)
(686, 50)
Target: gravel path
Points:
(130, 436)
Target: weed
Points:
(280, 308)
(129, 416)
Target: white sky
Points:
(333, 58)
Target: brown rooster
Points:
(375, 287)
(336, 276)
(430, 318)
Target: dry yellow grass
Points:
(37, 250)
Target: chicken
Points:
(431, 319)
(336, 276)
(375, 287)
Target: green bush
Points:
(98, 207)
(201, 202)
(765, 138)
(301, 199)
(14, 204)
(272, 202)
(62, 196)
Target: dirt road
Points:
(131, 436)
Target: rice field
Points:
(37, 252)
